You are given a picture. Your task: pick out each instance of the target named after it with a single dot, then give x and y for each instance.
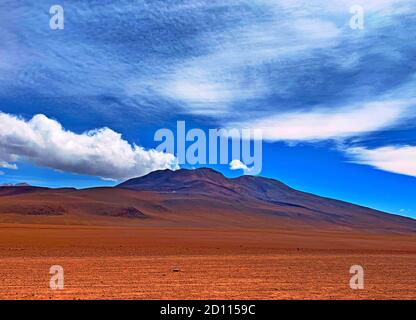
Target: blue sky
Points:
(79, 106)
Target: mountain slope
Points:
(195, 198)
(267, 195)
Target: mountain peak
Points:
(201, 172)
(172, 181)
(208, 182)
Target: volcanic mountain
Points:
(199, 198)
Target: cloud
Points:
(323, 124)
(231, 70)
(100, 152)
(341, 6)
(203, 57)
(396, 159)
(238, 165)
(256, 64)
(6, 165)
(208, 98)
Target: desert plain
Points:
(173, 263)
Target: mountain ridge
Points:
(200, 198)
(141, 184)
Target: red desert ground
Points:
(195, 234)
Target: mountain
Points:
(198, 198)
(209, 182)
(21, 184)
(263, 195)
(184, 181)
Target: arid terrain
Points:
(142, 263)
(266, 242)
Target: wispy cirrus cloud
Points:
(232, 59)
(232, 70)
(396, 159)
(330, 123)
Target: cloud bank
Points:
(100, 152)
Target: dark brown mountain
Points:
(265, 196)
(201, 197)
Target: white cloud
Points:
(198, 92)
(238, 165)
(100, 152)
(208, 98)
(322, 124)
(316, 30)
(210, 84)
(396, 159)
(342, 6)
(6, 165)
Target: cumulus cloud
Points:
(239, 165)
(100, 152)
(396, 159)
(322, 124)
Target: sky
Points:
(336, 104)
